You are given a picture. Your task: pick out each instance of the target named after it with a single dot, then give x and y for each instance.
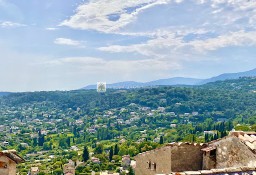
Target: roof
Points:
(34, 169)
(11, 154)
(209, 148)
(69, 174)
(248, 138)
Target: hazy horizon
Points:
(63, 45)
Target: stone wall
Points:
(174, 157)
(209, 162)
(161, 157)
(231, 152)
(186, 157)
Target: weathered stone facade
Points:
(229, 152)
(173, 157)
(187, 157)
(8, 166)
(234, 154)
(8, 161)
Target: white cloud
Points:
(166, 46)
(51, 28)
(67, 41)
(113, 16)
(9, 24)
(97, 14)
(240, 38)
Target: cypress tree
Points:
(116, 149)
(206, 137)
(111, 153)
(161, 140)
(85, 154)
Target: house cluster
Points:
(233, 154)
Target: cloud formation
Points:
(109, 16)
(51, 28)
(169, 44)
(67, 41)
(10, 24)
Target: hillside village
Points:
(52, 130)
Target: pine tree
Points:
(85, 154)
(111, 154)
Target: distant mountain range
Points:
(177, 81)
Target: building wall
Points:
(175, 158)
(69, 169)
(11, 166)
(186, 157)
(209, 162)
(231, 152)
(162, 158)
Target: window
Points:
(213, 152)
(149, 164)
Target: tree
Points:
(116, 149)
(98, 149)
(40, 138)
(206, 137)
(111, 154)
(131, 171)
(85, 154)
(34, 141)
(68, 142)
(161, 140)
(57, 171)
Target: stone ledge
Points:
(230, 170)
(216, 171)
(206, 172)
(192, 172)
(248, 168)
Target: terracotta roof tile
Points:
(11, 154)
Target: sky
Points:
(68, 44)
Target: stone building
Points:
(126, 161)
(8, 161)
(69, 169)
(34, 171)
(236, 152)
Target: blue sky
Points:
(64, 45)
